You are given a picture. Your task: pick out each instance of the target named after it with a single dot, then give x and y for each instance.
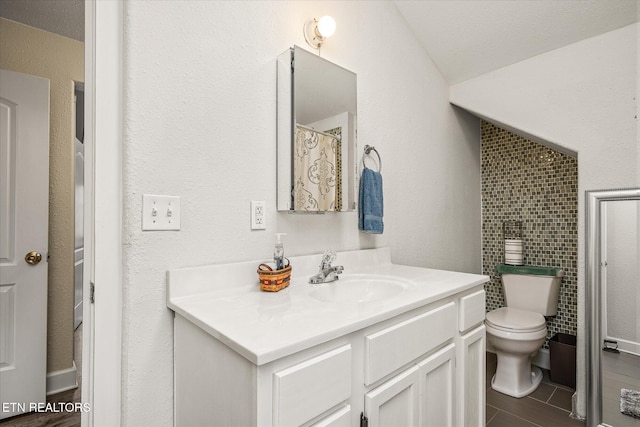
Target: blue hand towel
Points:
(371, 206)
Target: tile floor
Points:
(549, 405)
(619, 370)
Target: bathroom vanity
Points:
(392, 344)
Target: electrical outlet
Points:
(160, 212)
(258, 215)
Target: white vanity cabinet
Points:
(410, 352)
(423, 395)
(214, 385)
(423, 367)
(405, 397)
(445, 388)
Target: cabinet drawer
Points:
(397, 345)
(307, 389)
(472, 310)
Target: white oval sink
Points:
(360, 288)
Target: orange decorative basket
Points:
(273, 280)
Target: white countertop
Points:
(225, 301)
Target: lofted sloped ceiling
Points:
(467, 38)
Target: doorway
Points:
(613, 308)
(102, 315)
(29, 49)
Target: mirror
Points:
(316, 141)
(612, 315)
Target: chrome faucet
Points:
(327, 272)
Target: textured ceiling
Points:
(467, 38)
(64, 17)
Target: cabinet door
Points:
(438, 388)
(394, 403)
(471, 378)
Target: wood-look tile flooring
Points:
(60, 419)
(621, 370)
(548, 406)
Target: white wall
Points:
(580, 97)
(200, 123)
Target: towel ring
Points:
(367, 152)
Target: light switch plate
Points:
(160, 212)
(258, 215)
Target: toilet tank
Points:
(531, 288)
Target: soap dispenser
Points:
(278, 252)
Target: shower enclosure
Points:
(613, 308)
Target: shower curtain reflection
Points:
(317, 170)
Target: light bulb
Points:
(326, 26)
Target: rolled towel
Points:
(516, 241)
(371, 206)
(513, 259)
(513, 245)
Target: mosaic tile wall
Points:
(528, 182)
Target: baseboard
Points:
(542, 359)
(62, 380)
(631, 347)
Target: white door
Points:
(24, 211)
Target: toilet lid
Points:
(513, 319)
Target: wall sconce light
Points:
(316, 30)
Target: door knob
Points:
(33, 258)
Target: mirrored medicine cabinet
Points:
(316, 141)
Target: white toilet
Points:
(518, 330)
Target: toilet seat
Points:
(514, 320)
